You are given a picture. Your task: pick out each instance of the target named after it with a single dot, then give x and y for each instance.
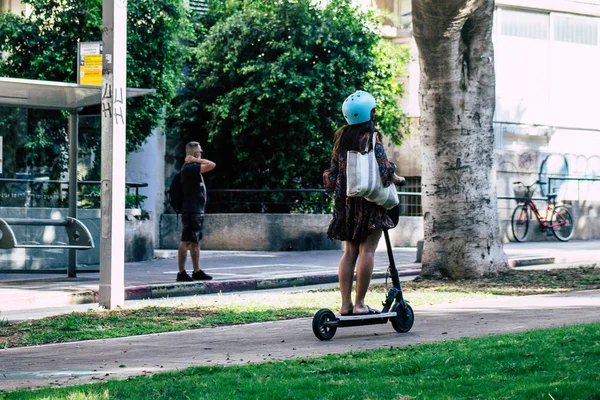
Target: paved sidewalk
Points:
(240, 271)
(97, 360)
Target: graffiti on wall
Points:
(527, 166)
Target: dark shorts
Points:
(192, 227)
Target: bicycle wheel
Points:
(520, 223)
(562, 216)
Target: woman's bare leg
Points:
(364, 270)
(346, 275)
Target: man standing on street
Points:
(192, 212)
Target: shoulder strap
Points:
(202, 182)
(374, 140)
(372, 137)
(204, 190)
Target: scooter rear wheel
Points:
(319, 325)
(400, 322)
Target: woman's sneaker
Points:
(201, 276)
(184, 277)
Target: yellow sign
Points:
(90, 64)
(90, 73)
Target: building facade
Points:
(546, 123)
(13, 6)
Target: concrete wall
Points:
(407, 233)
(266, 232)
(408, 156)
(139, 245)
(281, 232)
(275, 232)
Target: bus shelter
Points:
(71, 97)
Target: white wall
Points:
(546, 69)
(13, 6)
(148, 166)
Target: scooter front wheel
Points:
(404, 319)
(320, 326)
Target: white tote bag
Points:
(363, 179)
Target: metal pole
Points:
(112, 231)
(73, 154)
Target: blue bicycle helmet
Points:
(357, 107)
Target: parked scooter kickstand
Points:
(395, 309)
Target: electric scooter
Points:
(395, 309)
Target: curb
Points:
(524, 262)
(158, 291)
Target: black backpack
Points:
(176, 193)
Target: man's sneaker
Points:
(201, 276)
(184, 277)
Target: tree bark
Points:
(457, 101)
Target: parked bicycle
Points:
(556, 218)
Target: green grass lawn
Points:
(210, 311)
(560, 363)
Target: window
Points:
(410, 205)
(524, 24)
(576, 30)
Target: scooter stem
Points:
(392, 267)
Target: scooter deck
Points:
(358, 320)
(366, 316)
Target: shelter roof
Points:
(49, 95)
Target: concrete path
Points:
(92, 361)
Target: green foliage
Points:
(267, 82)
(89, 197)
(43, 45)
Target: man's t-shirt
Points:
(193, 190)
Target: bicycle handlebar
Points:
(529, 190)
(528, 186)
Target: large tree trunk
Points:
(457, 100)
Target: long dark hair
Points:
(347, 137)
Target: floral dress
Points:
(354, 217)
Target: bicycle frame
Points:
(545, 221)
